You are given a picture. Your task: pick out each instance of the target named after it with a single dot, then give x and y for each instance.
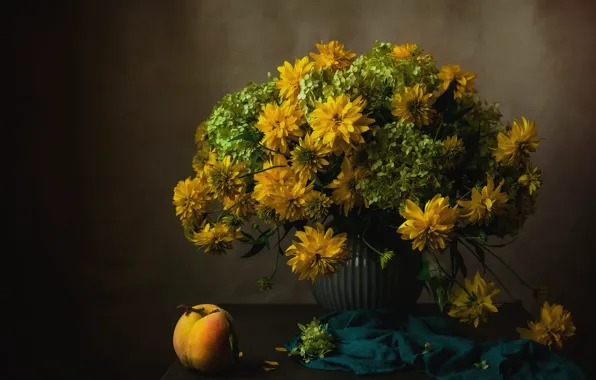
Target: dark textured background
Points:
(108, 97)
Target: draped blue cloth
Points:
(370, 342)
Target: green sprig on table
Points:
(315, 341)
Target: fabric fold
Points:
(370, 342)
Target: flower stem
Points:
(286, 231)
(488, 134)
(508, 267)
(364, 240)
(438, 129)
(271, 150)
(447, 274)
(370, 246)
(489, 270)
(465, 195)
(190, 309)
(227, 211)
(276, 255)
(263, 170)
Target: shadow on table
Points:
(246, 368)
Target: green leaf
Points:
(259, 243)
(481, 365)
(254, 161)
(445, 100)
(385, 258)
(264, 236)
(248, 237)
(256, 248)
(424, 275)
(248, 136)
(439, 287)
(265, 283)
(250, 186)
(318, 184)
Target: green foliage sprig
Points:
(315, 341)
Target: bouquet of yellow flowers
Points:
(345, 141)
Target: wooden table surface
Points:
(261, 328)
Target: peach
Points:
(204, 339)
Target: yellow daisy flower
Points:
(403, 51)
(280, 124)
(281, 189)
(424, 59)
(201, 133)
(288, 199)
(268, 179)
(215, 238)
(340, 122)
(518, 142)
(204, 158)
(555, 325)
(345, 193)
(472, 304)
(308, 157)
(267, 214)
(429, 228)
(317, 252)
(483, 205)
(190, 198)
(333, 56)
(226, 179)
(316, 205)
(531, 179)
(233, 221)
(454, 147)
(464, 79)
(289, 77)
(244, 205)
(412, 105)
(453, 144)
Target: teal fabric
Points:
(371, 342)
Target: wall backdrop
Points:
(120, 87)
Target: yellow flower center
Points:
(307, 156)
(472, 299)
(325, 264)
(414, 107)
(352, 185)
(220, 178)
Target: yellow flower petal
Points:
(318, 252)
(431, 227)
(472, 303)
